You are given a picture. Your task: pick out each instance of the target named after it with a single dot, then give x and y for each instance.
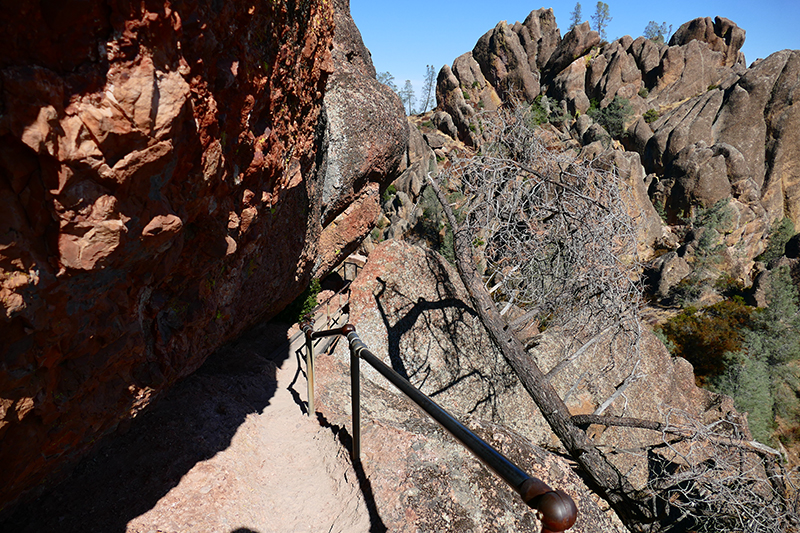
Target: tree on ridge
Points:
(601, 18)
(657, 32)
(428, 88)
(576, 16)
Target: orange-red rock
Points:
(159, 192)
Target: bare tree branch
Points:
(553, 236)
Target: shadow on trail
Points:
(134, 468)
(376, 524)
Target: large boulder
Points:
(412, 311)
(647, 54)
(451, 101)
(160, 192)
(621, 76)
(575, 44)
(474, 84)
(504, 63)
(539, 36)
(570, 86)
(722, 35)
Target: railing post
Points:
(355, 390)
(308, 330)
(557, 509)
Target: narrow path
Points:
(281, 473)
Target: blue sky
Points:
(404, 36)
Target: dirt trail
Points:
(227, 450)
(281, 473)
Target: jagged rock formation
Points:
(723, 131)
(165, 180)
(411, 309)
(410, 305)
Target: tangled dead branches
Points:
(555, 236)
(553, 230)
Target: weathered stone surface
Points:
(366, 137)
(722, 35)
(670, 269)
(575, 44)
(621, 76)
(781, 189)
(450, 99)
(410, 308)
(474, 84)
(420, 160)
(158, 172)
(570, 85)
(349, 52)
(504, 63)
(539, 36)
(647, 54)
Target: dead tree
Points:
(553, 235)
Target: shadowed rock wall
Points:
(160, 190)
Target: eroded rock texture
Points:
(412, 310)
(715, 129)
(161, 189)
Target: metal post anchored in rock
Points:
(557, 510)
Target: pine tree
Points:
(657, 32)
(601, 18)
(576, 16)
(428, 88)
(407, 97)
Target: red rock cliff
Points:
(158, 193)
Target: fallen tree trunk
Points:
(606, 479)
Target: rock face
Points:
(411, 309)
(706, 128)
(163, 185)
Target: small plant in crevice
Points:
(780, 233)
(651, 115)
(389, 193)
(303, 306)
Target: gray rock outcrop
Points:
(714, 129)
(410, 308)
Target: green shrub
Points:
(704, 336)
(537, 112)
(713, 86)
(762, 376)
(476, 84)
(613, 116)
(389, 193)
(717, 217)
(779, 235)
(651, 115)
(303, 306)
(427, 124)
(644, 92)
(465, 94)
(747, 381)
(558, 115)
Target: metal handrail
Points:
(557, 509)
